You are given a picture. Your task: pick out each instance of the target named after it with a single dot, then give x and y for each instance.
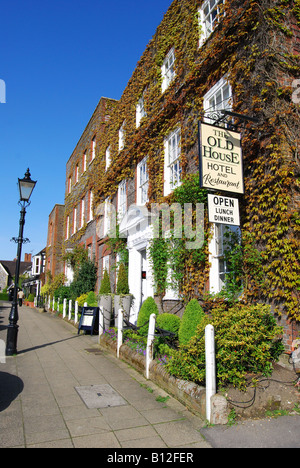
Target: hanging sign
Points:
(223, 210)
(221, 165)
(89, 319)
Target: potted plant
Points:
(123, 298)
(105, 300)
(30, 300)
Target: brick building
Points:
(206, 57)
(80, 222)
(55, 241)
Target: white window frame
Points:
(172, 165)
(69, 184)
(76, 173)
(36, 266)
(218, 268)
(168, 69)
(68, 227)
(84, 162)
(107, 158)
(74, 220)
(217, 98)
(82, 212)
(142, 182)
(105, 264)
(107, 217)
(89, 249)
(122, 199)
(122, 136)
(91, 198)
(93, 148)
(209, 18)
(140, 111)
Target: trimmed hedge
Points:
(192, 316)
(148, 308)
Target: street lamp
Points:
(26, 187)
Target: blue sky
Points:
(57, 58)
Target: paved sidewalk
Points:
(40, 406)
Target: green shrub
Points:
(148, 308)
(169, 322)
(63, 292)
(192, 316)
(85, 279)
(82, 299)
(105, 284)
(122, 283)
(91, 299)
(247, 340)
(30, 298)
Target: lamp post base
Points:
(11, 340)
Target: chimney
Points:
(27, 257)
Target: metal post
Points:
(210, 362)
(12, 329)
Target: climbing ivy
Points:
(255, 46)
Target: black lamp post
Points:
(26, 187)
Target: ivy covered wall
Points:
(256, 45)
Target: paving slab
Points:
(61, 391)
(41, 408)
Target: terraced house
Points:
(206, 57)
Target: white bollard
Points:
(64, 307)
(76, 312)
(120, 331)
(70, 309)
(101, 321)
(150, 340)
(210, 363)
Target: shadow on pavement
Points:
(21, 351)
(10, 387)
